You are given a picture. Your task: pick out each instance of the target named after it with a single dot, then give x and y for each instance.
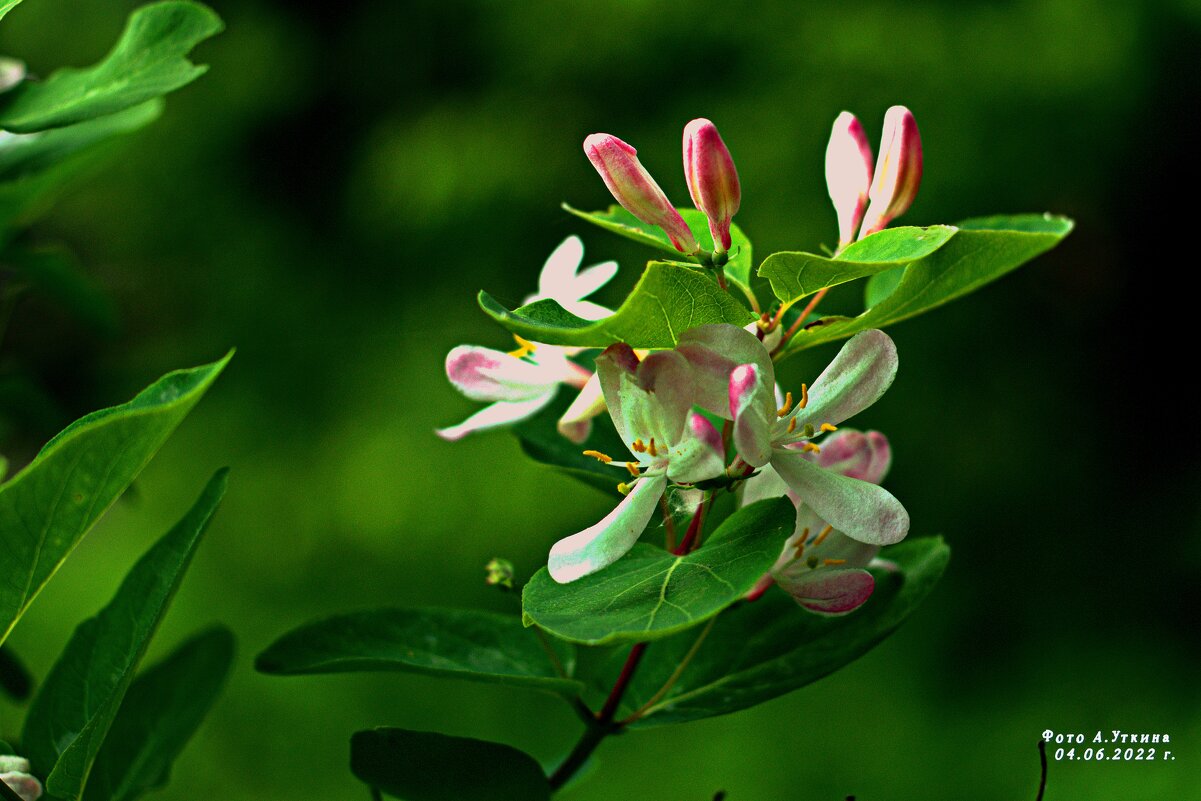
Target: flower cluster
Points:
(667, 405)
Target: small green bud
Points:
(500, 573)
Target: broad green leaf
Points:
(455, 643)
(148, 61)
(668, 300)
(32, 166)
(797, 275)
(72, 712)
(55, 273)
(48, 507)
(164, 707)
(426, 766)
(540, 439)
(649, 593)
(622, 223)
(15, 681)
(759, 651)
(981, 251)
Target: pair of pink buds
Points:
(890, 189)
(708, 167)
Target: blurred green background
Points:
(332, 194)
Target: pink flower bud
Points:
(712, 179)
(898, 171)
(848, 174)
(634, 188)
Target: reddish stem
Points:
(800, 321)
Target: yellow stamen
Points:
(633, 468)
(800, 544)
(821, 537)
(804, 396)
(829, 562)
(600, 457)
(827, 427)
(783, 410)
(792, 425)
(623, 488)
(526, 349)
(638, 446)
(650, 449)
(811, 448)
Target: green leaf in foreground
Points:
(650, 593)
(7, 6)
(32, 166)
(981, 251)
(762, 650)
(48, 507)
(164, 707)
(797, 275)
(622, 223)
(456, 643)
(148, 61)
(540, 439)
(425, 766)
(71, 714)
(668, 300)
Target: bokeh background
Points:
(332, 194)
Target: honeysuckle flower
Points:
(564, 282)
(634, 188)
(521, 383)
(712, 179)
(14, 771)
(784, 436)
(848, 174)
(820, 567)
(898, 171)
(650, 402)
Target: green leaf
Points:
(540, 439)
(148, 61)
(7, 6)
(797, 275)
(72, 713)
(622, 223)
(164, 707)
(765, 649)
(649, 593)
(56, 273)
(454, 643)
(425, 766)
(668, 300)
(15, 681)
(981, 251)
(46, 509)
(32, 166)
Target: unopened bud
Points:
(898, 171)
(712, 179)
(12, 72)
(14, 771)
(848, 174)
(634, 188)
(500, 573)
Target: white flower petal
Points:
(601, 545)
(501, 413)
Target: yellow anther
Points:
(811, 448)
(822, 536)
(804, 396)
(829, 562)
(633, 468)
(526, 349)
(638, 446)
(783, 410)
(650, 449)
(623, 488)
(792, 425)
(800, 543)
(827, 427)
(600, 457)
